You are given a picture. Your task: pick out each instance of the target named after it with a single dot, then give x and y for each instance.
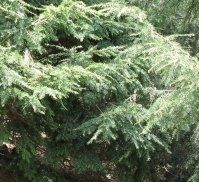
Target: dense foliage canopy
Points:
(97, 90)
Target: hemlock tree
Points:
(174, 17)
(91, 90)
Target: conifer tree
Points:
(92, 89)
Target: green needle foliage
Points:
(175, 17)
(91, 89)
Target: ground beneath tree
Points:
(7, 176)
(8, 156)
